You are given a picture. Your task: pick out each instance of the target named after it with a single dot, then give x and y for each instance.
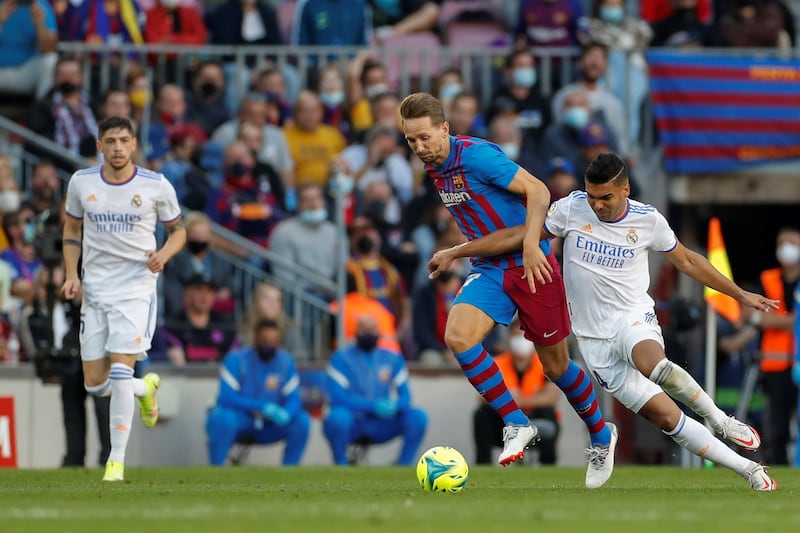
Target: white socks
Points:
(121, 409)
(679, 384)
(696, 438)
(101, 391)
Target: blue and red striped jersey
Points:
(473, 184)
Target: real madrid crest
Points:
(632, 237)
(272, 382)
(136, 201)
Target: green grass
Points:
(517, 499)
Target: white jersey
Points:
(119, 223)
(606, 270)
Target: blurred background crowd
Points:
(277, 123)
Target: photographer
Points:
(50, 339)
(49, 330)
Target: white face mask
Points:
(374, 90)
(788, 254)
(170, 4)
(511, 150)
(520, 346)
(9, 201)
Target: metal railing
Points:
(411, 66)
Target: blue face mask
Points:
(314, 216)
(612, 14)
(576, 117)
(29, 233)
(332, 99)
(449, 91)
(524, 77)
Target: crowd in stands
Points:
(266, 165)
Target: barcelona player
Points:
(485, 191)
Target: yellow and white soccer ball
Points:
(442, 469)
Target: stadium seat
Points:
(410, 55)
(472, 23)
(286, 12)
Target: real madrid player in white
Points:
(607, 238)
(118, 205)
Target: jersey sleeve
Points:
(664, 239)
(557, 216)
(167, 204)
(73, 207)
(487, 162)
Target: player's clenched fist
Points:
(154, 261)
(71, 287)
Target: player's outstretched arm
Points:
(496, 243)
(537, 196)
(699, 268)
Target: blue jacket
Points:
(357, 379)
(247, 383)
(332, 23)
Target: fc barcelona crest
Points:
(458, 182)
(272, 382)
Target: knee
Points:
(338, 419)
(661, 372)
(416, 419)
(301, 423)
(220, 421)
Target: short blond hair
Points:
(420, 105)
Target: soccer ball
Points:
(442, 469)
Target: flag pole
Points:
(711, 363)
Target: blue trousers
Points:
(226, 426)
(342, 427)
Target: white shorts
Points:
(125, 327)
(610, 362)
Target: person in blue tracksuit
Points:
(259, 396)
(370, 398)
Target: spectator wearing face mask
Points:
(592, 67)
(9, 195)
(332, 95)
(536, 396)
(366, 79)
(778, 344)
(20, 229)
(370, 398)
(245, 203)
(563, 137)
(307, 240)
(198, 257)
(65, 116)
(259, 397)
(521, 98)
(375, 276)
(626, 37)
(207, 99)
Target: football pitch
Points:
(388, 499)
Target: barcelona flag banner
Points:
(717, 113)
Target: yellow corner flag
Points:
(723, 304)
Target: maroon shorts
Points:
(543, 315)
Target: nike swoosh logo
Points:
(548, 335)
(746, 442)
